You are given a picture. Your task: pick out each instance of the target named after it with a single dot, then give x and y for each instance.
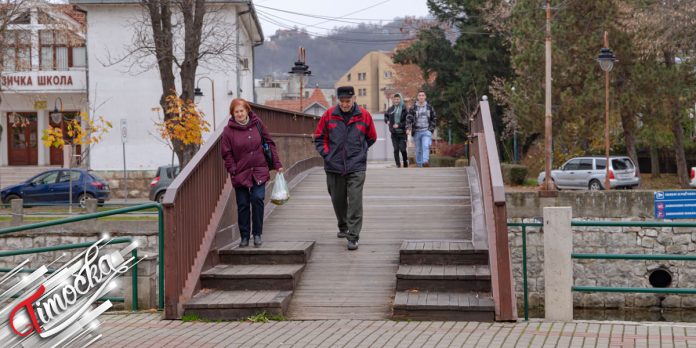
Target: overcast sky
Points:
(318, 15)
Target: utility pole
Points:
(607, 184)
(547, 123)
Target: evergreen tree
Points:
(462, 71)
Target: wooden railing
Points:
(486, 161)
(197, 205)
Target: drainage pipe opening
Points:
(660, 278)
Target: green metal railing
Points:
(134, 269)
(525, 288)
(581, 256)
(160, 227)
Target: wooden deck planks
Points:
(399, 204)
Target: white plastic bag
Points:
(281, 193)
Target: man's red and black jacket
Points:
(343, 141)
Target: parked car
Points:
(53, 186)
(158, 186)
(692, 182)
(589, 173)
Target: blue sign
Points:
(675, 204)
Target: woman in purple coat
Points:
(242, 151)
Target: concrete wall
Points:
(382, 150)
(612, 204)
(138, 182)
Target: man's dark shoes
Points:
(257, 241)
(352, 245)
(405, 164)
(342, 234)
(244, 242)
(426, 164)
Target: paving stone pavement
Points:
(148, 330)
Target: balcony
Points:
(59, 81)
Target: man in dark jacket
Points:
(342, 137)
(395, 118)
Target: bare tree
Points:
(10, 11)
(180, 35)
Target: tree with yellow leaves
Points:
(184, 128)
(82, 130)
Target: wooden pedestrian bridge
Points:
(433, 246)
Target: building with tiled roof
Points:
(316, 104)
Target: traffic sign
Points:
(675, 204)
(124, 130)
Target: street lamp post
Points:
(606, 61)
(300, 68)
(198, 94)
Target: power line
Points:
(278, 18)
(308, 15)
(334, 37)
(358, 11)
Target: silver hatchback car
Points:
(588, 173)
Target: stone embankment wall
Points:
(612, 206)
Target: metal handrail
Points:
(586, 256)
(134, 254)
(160, 227)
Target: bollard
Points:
(558, 266)
(91, 205)
(17, 212)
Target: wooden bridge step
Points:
(444, 305)
(441, 252)
(269, 253)
(252, 277)
(443, 277)
(231, 305)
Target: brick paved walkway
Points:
(147, 330)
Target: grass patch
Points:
(531, 182)
(195, 318)
(265, 317)
(190, 317)
(664, 182)
(129, 218)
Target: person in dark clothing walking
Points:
(343, 136)
(395, 118)
(242, 151)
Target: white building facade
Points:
(44, 70)
(94, 76)
(122, 90)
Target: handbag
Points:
(266, 149)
